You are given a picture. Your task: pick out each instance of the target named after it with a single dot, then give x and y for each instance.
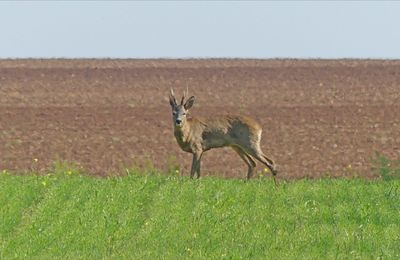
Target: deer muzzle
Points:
(178, 122)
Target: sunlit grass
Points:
(148, 215)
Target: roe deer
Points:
(197, 135)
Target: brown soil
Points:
(319, 117)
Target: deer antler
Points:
(172, 96)
(183, 98)
(185, 94)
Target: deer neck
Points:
(182, 135)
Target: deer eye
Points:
(174, 113)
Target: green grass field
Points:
(67, 215)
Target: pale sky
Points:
(200, 29)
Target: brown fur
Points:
(198, 135)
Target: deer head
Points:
(179, 111)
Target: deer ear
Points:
(189, 103)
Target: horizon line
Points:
(197, 58)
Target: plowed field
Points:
(320, 117)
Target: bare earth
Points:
(319, 117)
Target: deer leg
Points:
(198, 165)
(198, 168)
(266, 158)
(193, 169)
(251, 164)
(195, 165)
(259, 155)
